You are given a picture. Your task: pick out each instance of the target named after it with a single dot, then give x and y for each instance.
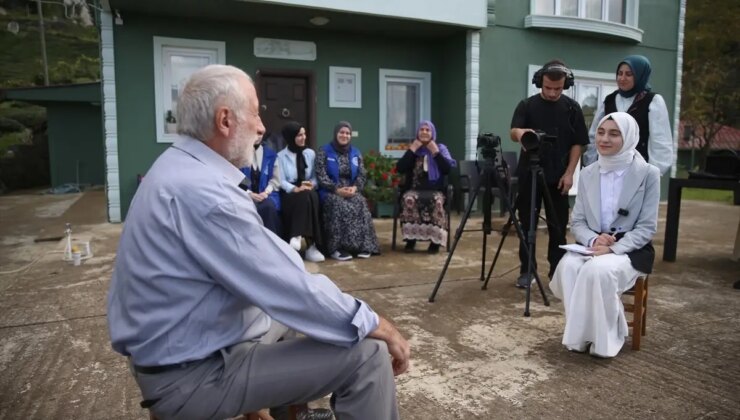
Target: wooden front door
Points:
(286, 96)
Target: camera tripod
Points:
(537, 179)
(488, 175)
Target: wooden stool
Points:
(293, 412)
(638, 308)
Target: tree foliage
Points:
(711, 71)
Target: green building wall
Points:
(75, 144)
(137, 146)
(507, 48)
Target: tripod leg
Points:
(504, 234)
(458, 234)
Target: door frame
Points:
(312, 139)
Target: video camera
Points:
(532, 140)
(488, 147)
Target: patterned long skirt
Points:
(348, 225)
(423, 216)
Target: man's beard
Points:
(241, 148)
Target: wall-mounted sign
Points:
(345, 87)
(284, 49)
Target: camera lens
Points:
(531, 140)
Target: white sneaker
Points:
(341, 256)
(295, 242)
(314, 255)
(364, 254)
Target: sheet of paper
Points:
(577, 248)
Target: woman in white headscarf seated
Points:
(616, 216)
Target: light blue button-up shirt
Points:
(196, 271)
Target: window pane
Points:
(593, 9)
(402, 114)
(544, 7)
(588, 97)
(176, 73)
(616, 11)
(569, 7)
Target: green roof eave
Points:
(42, 95)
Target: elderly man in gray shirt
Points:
(202, 292)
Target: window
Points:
(174, 61)
(589, 91)
(615, 18)
(606, 10)
(405, 99)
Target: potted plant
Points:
(382, 180)
(171, 122)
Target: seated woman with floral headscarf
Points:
(616, 215)
(348, 225)
(300, 202)
(425, 164)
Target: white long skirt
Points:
(590, 288)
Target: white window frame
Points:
(607, 84)
(423, 79)
(162, 46)
(338, 76)
(628, 30)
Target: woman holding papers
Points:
(616, 216)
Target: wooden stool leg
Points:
(644, 306)
(637, 316)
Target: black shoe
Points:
(315, 414)
(433, 248)
(409, 246)
(524, 281)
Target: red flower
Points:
(372, 165)
(394, 170)
(385, 176)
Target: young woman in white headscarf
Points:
(616, 216)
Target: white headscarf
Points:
(630, 136)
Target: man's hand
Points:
(517, 133)
(263, 414)
(566, 181)
(398, 347)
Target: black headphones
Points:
(554, 68)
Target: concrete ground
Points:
(474, 355)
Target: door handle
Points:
(285, 113)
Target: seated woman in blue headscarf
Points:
(300, 202)
(348, 225)
(616, 215)
(425, 164)
(264, 188)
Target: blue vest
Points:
(332, 165)
(268, 164)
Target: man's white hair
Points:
(212, 86)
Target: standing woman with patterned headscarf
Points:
(616, 216)
(300, 201)
(635, 97)
(425, 164)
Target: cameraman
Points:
(561, 119)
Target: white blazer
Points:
(289, 172)
(640, 198)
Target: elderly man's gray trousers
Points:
(254, 375)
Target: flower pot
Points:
(384, 209)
